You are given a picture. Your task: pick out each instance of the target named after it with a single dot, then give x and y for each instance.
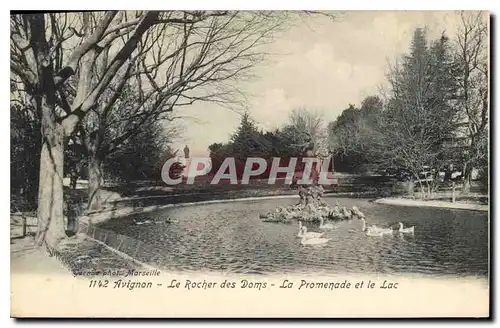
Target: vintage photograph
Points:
(259, 144)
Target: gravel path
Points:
(76, 254)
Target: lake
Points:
(230, 238)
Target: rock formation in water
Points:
(311, 208)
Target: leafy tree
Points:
(307, 128)
(471, 60)
(292, 140)
(66, 62)
(416, 129)
(141, 156)
(247, 141)
(347, 141)
(46, 51)
(25, 141)
(419, 119)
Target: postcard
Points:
(250, 164)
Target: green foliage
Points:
(292, 140)
(416, 128)
(354, 134)
(248, 141)
(25, 140)
(141, 156)
(76, 162)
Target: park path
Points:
(25, 257)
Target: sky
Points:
(322, 66)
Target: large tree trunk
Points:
(50, 195)
(96, 180)
(43, 86)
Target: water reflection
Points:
(232, 238)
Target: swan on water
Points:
(405, 230)
(325, 226)
(313, 241)
(374, 233)
(374, 230)
(303, 232)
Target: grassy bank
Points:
(433, 203)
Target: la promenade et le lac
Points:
(104, 275)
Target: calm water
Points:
(231, 238)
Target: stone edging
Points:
(121, 254)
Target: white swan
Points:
(325, 226)
(385, 231)
(374, 233)
(405, 230)
(313, 241)
(374, 230)
(303, 232)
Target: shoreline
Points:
(432, 203)
(100, 217)
(118, 212)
